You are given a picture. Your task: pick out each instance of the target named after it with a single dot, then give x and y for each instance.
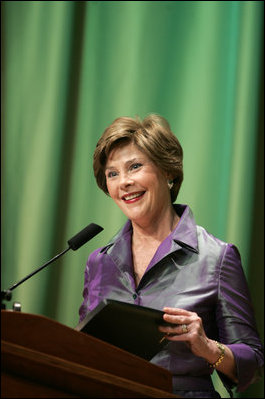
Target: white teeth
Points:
(132, 196)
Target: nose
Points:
(125, 181)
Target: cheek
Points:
(111, 188)
(157, 183)
(108, 185)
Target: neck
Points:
(159, 229)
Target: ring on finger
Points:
(184, 328)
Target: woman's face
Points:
(136, 184)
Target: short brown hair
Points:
(152, 136)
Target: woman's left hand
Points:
(187, 327)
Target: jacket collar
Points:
(183, 236)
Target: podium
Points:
(42, 358)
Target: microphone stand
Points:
(6, 295)
(74, 243)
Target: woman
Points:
(162, 259)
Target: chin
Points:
(135, 215)
(137, 218)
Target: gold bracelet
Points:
(221, 357)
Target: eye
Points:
(135, 166)
(111, 174)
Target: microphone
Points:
(84, 236)
(74, 243)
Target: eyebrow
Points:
(126, 163)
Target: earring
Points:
(170, 184)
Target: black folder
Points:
(130, 327)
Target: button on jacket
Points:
(193, 270)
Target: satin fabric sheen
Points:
(192, 270)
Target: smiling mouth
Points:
(132, 197)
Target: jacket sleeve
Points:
(87, 288)
(236, 321)
(85, 304)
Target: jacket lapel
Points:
(184, 236)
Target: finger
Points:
(178, 329)
(177, 337)
(173, 336)
(168, 329)
(176, 311)
(176, 319)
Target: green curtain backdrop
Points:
(68, 70)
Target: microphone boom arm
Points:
(74, 243)
(38, 270)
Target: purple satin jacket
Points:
(193, 270)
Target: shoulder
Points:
(211, 241)
(205, 236)
(93, 256)
(191, 234)
(122, 235)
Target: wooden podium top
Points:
(46, 351)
